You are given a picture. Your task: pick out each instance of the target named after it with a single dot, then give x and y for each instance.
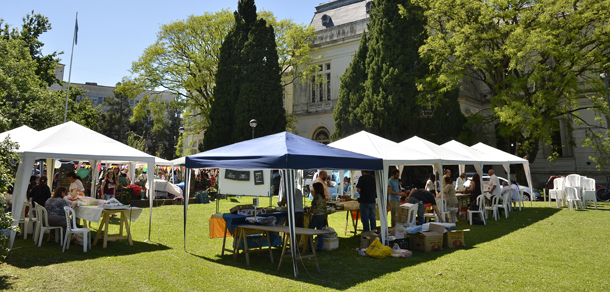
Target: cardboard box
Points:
(349, 205)
(367, 238)
(330, 243)
(427, 241)
(239, 207)
(400, 218)
(404, 209)
(454, 239)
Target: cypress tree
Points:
(226, 90)
(393, 107)
(260, 95)
(351, 93)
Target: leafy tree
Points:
(535, 61)
(185, 59)
(386, 84)
(351, 93)
(260, 94)
(33, 26)
(115, 121)
(8, 158)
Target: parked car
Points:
(526, 190)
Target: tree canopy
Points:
(531, 60)
(381, 91)
(185, 57)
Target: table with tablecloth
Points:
(165, 186)
(231, 221)
(95, 213)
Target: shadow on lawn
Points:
(26, 255)
(343, 269)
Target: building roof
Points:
(338, 12)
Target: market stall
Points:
(286, 152)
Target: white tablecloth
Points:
(94, 214)
(165, 186)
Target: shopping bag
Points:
(378, 250)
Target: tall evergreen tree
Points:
(260, 95)
(351, 94)
(242, 90)
(226, 90)
(392, 105)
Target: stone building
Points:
(340, 24)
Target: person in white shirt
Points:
(76, 185)
(515, 188)
(494, 184)
(460, 182)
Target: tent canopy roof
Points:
(73, 141)
(445, 155)
(282, 151)
(390, 151)
(501, 155)
(24, 136)
(472, 153)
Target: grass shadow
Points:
(4, 283)
(27, 255)
(334, 264)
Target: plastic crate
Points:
(403, 243)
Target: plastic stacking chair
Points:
(588, 191)
(494, 207)
(36, 225)
(26, 219)
(505, 204)
(481, 211)
(44, 226)
(572, 197)
(72, 228)
(573, 180)
(557, 192)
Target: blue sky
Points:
(112, 34)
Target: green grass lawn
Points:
(539, 248)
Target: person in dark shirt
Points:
(366, 187)
(423, 197)
(40, 193)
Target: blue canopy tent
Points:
(286, 152)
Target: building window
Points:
(321, 84)
(100, 100)
(321, 135)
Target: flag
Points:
(76, 32)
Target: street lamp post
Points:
(253, 124)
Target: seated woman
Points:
(449, 193)
(474, 189)
(55, 209)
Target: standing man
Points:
(394, 195)
(322, 178)
(494, 184)
(422, 197)
(366, 187)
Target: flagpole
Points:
(70, 72)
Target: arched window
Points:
(321, 135)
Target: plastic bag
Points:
(397, 252)
(399, 232)
(378, 250)
(332, 235)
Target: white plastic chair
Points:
(481, 211)
(494, 207)
(25, 220)
(572, 197)
(411, 215)
(72, 228)
(588, 191)
(557, 192)
(506, 198)
(573, 180)
(36, 222)
(44, 226)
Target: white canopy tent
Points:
(446, 156)
(72, 141)
(507, 159)
(392, 154)
(23, 135)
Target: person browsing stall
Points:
(449, 193)
(422, 198)
(298, 203)
(109, 185)
(460, 182)
(323, 179)
(394, 195)
(318, 211)
(366, 187)
(431, 184)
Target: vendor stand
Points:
(286, 152)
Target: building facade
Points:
(340, 24)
